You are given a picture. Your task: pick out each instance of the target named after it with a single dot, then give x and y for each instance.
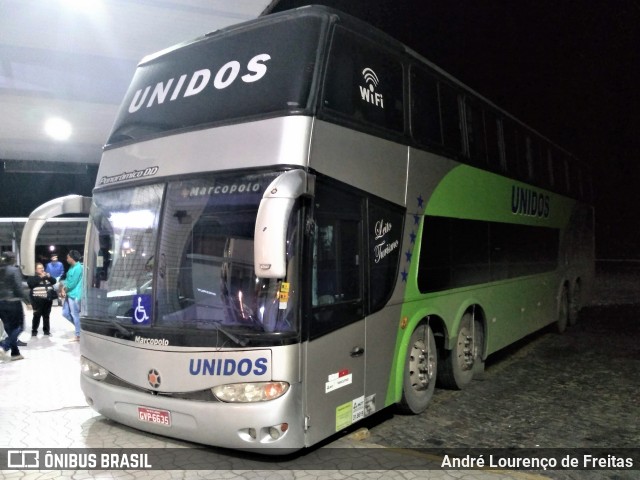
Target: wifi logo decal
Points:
(368, 91)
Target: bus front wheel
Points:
(457, 366)
(420, 368)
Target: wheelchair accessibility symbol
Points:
(141, 309)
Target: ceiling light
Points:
(58, 128)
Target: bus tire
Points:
(420, 369)
(458, 365)
(563, 312)
(574, 304)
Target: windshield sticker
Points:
(283, 296)
(141, 309)
(338, 380)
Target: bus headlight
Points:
(250, 392)
(92, 369)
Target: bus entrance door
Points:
(334, 381)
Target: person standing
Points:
(73, 289)
(41, 285)
(56, 270)
(11, 297)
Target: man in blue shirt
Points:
(73, 287)
(56, 270)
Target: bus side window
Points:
(337, 270)
(560, 173)
(450, 112)
(549, 167)
(495, 158)
(510, 149)
(475, 129)
(533, 159)
(569, 176)
(580, 183)
(523, 155)
(385, 226)
(425, 109)
(364, 83)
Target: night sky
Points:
(569, 69)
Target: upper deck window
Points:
(425, 108)
(364, 82)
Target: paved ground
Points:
(549, 391)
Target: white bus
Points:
(298, 222)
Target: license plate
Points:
(153, 415)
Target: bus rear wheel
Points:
(420, 368)
(563, 312)
(574, 304)
(457, 366)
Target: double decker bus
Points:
(298, 221)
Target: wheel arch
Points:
(561, 320)
(407, 326)
(565, 285)
(576, 286)
(475, 308)
(575, 299)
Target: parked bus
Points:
(299, 221)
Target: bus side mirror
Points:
(270, 236)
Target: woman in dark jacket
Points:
(41, 285)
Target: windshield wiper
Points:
(242, 343)
(124, 331)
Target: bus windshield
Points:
(222, 77)
(180, 256)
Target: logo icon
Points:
(368, 91)
(154, 378)
(370, 77)
(23, 459)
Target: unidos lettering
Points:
(198, 81)
(528, 202)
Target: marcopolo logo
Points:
(368, 91)
(162, 342)
(223, 189)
